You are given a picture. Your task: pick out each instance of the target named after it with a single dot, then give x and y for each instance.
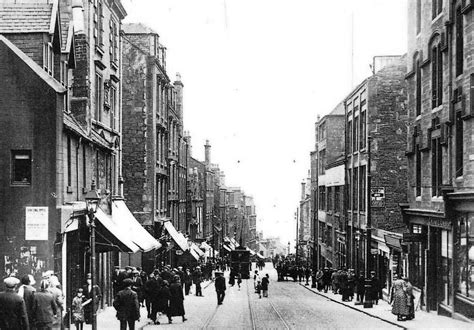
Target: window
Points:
(465, 251)
(337, 199)
(322, 162)
(418, 87)
(349, 138)
(355, 192)
(362, 181)
(330, 200)
(355, 134)
(322, 131)
(69, 170)
(98, 23)
(436, 7)
(21, 167)
(418, 16)
(349, 189)
(113, 41)
(48, 58)
(436, 75)
(436, 167)
(459, 145)
(417, 171)
(99, 96)
(113, 107)
(322, 198)
(446, 269)
(363, 129)
(459, 41)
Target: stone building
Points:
(66, 143)
(440, 211)
(305, 225)
(328, 175)
(376, 121)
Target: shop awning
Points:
(177, 237)
(226, 247)
(197, 249)
(205, 246)
(121, 214)
(114, 232)
(234, 242)
(252, 252)
(260, 256)
(194, 254)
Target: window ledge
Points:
(437, 199)
(20, 184)
(418, 199)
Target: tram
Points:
(240, 262)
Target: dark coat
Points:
(219, 283)
(162, 300)
(176, 300)
(126, 304)
(151, 289)
(44, 308)
(12, 311)
(265, 282)
(197, 277)
(29, 298)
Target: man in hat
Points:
(220, 287)
(197, 279)
(127, 306)
(12, 307)
(89, 294)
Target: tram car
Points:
(240, 262)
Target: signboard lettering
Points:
(36, 223)
(377, 197)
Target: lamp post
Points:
(357, 238)
(92, 203)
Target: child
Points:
(78, 310)
(258, 289)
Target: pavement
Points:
(106, 319)
(383, 311)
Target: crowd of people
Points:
(22, 307)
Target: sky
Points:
(256, 75)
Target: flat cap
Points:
(11, 282)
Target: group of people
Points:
(289, 268)
(23, 307)
(345, 282)
(261, 284)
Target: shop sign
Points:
(36, 223)
(377, 197)
(413, 237)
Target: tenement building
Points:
(440, 147)
(376, 121)
(330, 219)
(62, 141)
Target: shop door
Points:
(433, 269)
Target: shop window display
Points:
(465, 246)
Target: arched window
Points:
(436, 72)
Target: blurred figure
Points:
(45, 309)
(89, 294)
(265, 283)
(12, 307)
(176, 300)
(27, 292)
(127, 306)
(219, 284)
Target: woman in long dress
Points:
(176, 300)
(399, 299)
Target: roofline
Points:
(53, 83)
(54, 16)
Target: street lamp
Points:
(357, 238)
(92, 203)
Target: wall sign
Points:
(377, 197)
(36, 223)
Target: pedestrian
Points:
(232, 278)
(256, 279)
(78, 310)
(239, 279)
(116, 280)
(320, 280)
(45, 309)
(410, 299)
(360, 288)
(127, 306)
(188, 281)
(89, 294)
(160, 303)
(307, 274)
(219, 283)
(27, 292)
(197, 279)
(55, 289)
(326, 279)
(399, 299)
(351, 284)
(344, 285)
(258, 289)
(375, 291)
(176, 307)
(13, 314)
(265, 282)
(149, 290)
(137, 286)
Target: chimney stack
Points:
(207, 153)
(78, 16)
(303, 190)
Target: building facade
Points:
(439, 212)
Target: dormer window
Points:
(48, 58)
